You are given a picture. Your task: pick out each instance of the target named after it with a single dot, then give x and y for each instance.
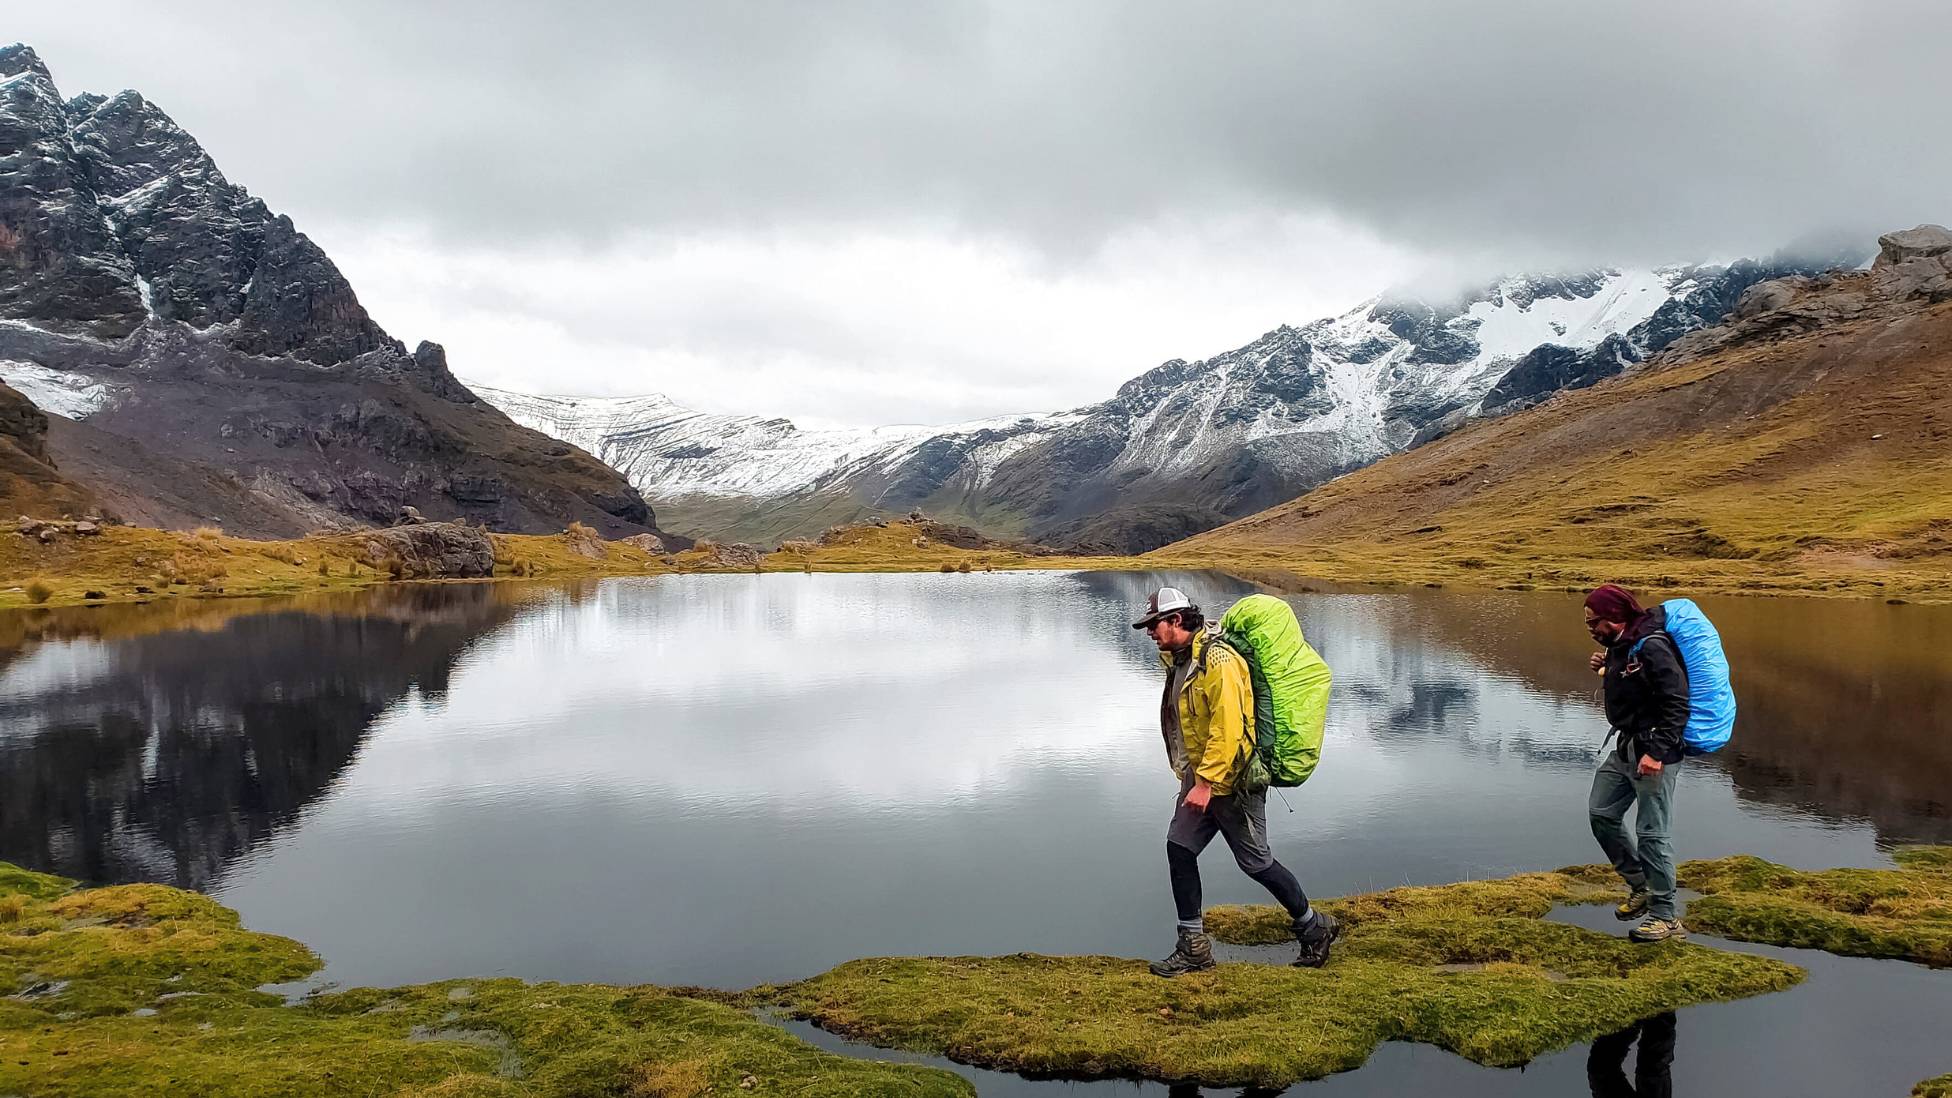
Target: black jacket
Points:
(1647, 695)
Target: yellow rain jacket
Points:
(1207, 713)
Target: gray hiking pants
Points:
(1648, 857)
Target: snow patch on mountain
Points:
(655, 440)
(60, 392)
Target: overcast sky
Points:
(922, 211)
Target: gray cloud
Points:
(1551, 130)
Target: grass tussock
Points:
(1938, 1086)
(76, 966)
(1904, 913)
(1469, 968)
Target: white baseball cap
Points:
(1163, 601)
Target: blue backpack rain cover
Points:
(1711, 697)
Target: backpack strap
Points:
(1633, 654)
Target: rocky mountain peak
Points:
(20, 59)
(131, 143)
(177, 327)
(115, 214)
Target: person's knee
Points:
(1254, 865)
(1177, 851)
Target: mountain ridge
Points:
(1798, 445)
(1181, 447)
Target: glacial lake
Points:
(731, 780)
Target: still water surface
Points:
(729, 780)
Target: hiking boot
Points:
(1315, 938)
(1658, 929)
(1636, 904)
(1194, 953)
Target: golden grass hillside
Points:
(134, 563)
(1819, 462)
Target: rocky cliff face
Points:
(28, 477)
(214, 362)
(1183, 447)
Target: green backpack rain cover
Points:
(1291, 685)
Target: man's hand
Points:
(1198, 796)
(1649, 766)
(1598, 662)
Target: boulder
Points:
(1765, 297)
(650, 543)
(584, 542)
(432, 550)
(739, 555)
(1923, 242)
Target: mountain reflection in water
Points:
(153, 744)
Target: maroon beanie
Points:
(1611, 602)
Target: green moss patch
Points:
(1470, 968)
(141, 990)
(1938, 1086)
(1527, 895)
(1904, 913)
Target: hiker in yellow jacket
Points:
(1207, 717)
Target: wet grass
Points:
(1904, 912)
(1470, 968)
(1527, 895)
(146, 990)
(1938, 1086)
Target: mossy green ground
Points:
(1904, 912)
(1938, 1086)
(147, 990)
(143, 989)
(1470, 968)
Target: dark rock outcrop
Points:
(60, 263)
(1714, 295)
(1913, 269)
(431, 550)
(29, 480)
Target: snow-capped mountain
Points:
(1184, 446)
(658, 441)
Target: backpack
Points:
(1711, 697)
(1291, 686)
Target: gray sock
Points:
(1193, 926)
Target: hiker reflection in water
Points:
(1653, 1066)
(1207, 715)
(1646, 692)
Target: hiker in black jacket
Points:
(1646, 690)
